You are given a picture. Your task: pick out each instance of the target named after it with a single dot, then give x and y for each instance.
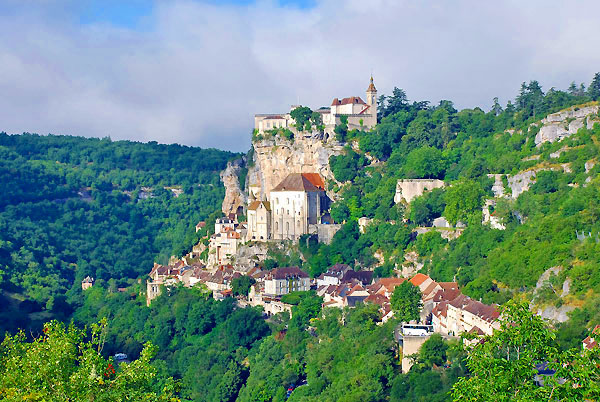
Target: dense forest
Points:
(77, 207)
(73, 207)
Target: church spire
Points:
(371, 87)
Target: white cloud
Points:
(198, 72)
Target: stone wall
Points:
(324, 232)
(408, 189)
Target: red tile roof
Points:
(348, 101)
(418, 279)
(299, 182)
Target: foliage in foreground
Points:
(504, 366)
(61, 365)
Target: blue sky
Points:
(195, 72)
(129, 13)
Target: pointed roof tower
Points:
(371, 87)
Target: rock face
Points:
(234, 196)
(498, 186)
(557, 126)
(520, 182)
(489, 218)
(555, 314)
(410, 188)
(274, 159)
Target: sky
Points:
(195, 72)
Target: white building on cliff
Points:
(360, 114)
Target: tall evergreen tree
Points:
(594, 88)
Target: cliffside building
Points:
(297, 202)
(360, 114)
(259, 221)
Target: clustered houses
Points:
(219, 282)
(450, 312)
(229, 235)
(454, 313)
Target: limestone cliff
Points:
(557, 126)
(234, 196)
(275, 158)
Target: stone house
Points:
(281, 281)
(160, 276)
(333, 275)
(224, 244)
(259, 221)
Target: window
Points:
(287, 227)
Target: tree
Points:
(463, 199)
(406, 302)
(504, 366)
(594, 88)
(61, 366)
(496, 108)
(308, 307)
(240, 286)
(302, 116)
(433, 351)
(425, 163)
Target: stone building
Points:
(360, 114)
(281, 281)
(297, 202)
(259, 221)
(87, 283)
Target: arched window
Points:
(276, 226)
(287, 227)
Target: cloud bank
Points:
(195, 73)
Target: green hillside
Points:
(52, 237)
(73, 207)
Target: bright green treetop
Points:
(504, 366)
(406, 302)
(62, 366)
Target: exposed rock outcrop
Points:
(274, 159)
(520, 182)
(234, 196)
(489, 218)
(557, 126)
(557, 314)
(408, 189)
(498, 186)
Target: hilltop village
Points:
(287, 200)
(298, 207)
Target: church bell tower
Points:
(372, 101)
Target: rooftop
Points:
(308, 182)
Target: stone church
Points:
(295, 208)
